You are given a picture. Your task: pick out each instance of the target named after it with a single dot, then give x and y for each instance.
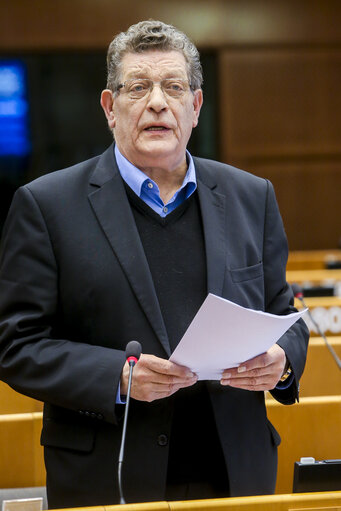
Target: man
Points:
(126, 246)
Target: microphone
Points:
(133, 353)
(298, 293)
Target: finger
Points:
(163, 366)
(252, 387)
(153, 391)
(164, 381)
(144, 375)
(259, 362)
(269, 373)
(251, 373)
(154, 378)
(168, 390)
(275, 355)
(252, 381)
(255, 364)
(265, 382)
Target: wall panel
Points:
(309, 197)
(281, 103)
(280, 118)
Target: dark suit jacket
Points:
(75, 287)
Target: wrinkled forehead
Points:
(154, 64)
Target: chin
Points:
(160, 149)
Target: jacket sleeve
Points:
(279, 298)
(68, 373)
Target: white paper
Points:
(224, 334)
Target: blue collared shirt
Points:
(148, 190)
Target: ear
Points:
(107, 103)
(197, 104)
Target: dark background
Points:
(66, 122)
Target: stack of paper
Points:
(224, 334)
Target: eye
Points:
(174, 87)
(138, 87)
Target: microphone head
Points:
(133, 350)
(297, 290)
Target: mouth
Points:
(157, 128)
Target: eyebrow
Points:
(143, 74)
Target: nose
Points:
(156, 99)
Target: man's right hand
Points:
(155, 378)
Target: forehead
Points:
(154, 63)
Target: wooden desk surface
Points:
(313, 276)
(312, 259)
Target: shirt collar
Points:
(135, 178)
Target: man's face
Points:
(153, 131)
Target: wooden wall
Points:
(36, 24)
(279, 85)
(281, 119)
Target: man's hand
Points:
(155, 378)
(259, 373)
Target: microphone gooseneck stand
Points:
(133, 353)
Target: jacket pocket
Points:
(247, 273)
(77, 436)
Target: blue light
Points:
(14, 133)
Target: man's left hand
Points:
(260, 373)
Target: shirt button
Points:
(150, 185)
(162, 440)
(165, 209)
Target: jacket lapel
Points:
(213, 205)
(111, 207)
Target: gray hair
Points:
(152, 35)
